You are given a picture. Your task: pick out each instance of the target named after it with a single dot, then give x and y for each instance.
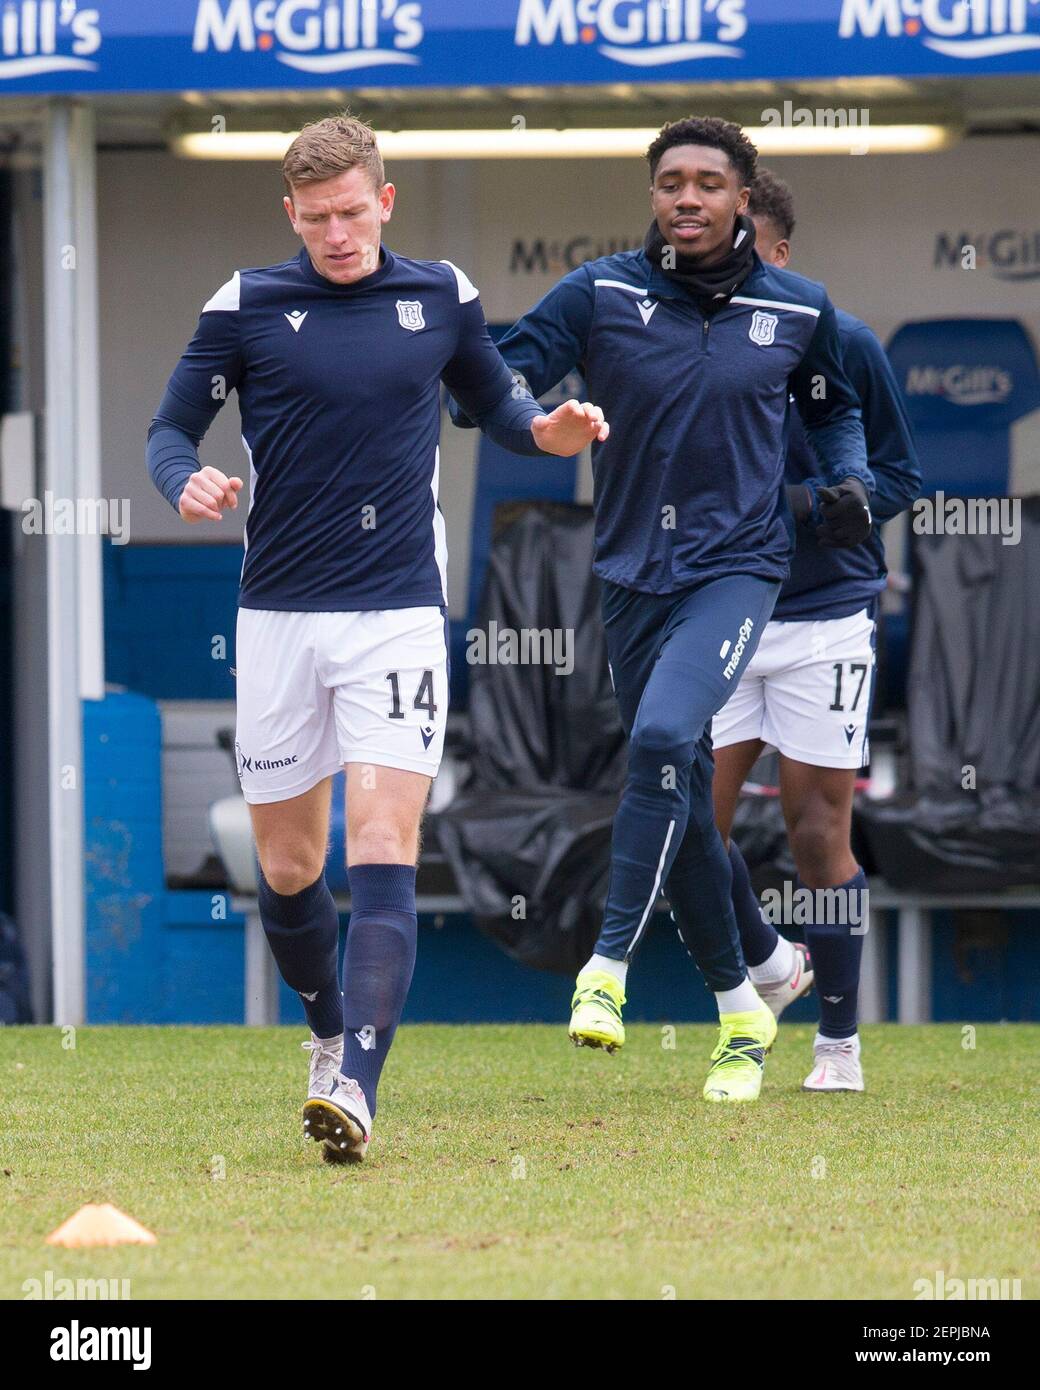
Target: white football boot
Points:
(326, 1060)
(799, 981)
(836, 1065)
(341, 1121)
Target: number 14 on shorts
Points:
(421, 700)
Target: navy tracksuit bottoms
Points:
(675, 659)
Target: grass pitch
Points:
(506, 1164)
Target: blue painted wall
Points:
(164, 604)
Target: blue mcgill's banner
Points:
(53, 46)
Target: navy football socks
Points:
(758, 937)
(303, 931)
(377, 967)
(836, 947)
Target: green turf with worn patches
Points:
(506, 1164)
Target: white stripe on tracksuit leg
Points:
(656, 889)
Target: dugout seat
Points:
(969, 818)
(965, 383)
(195, 776)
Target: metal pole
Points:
(915, 965)
(64, 719)
(261, 997)
(873, 982)
(88, 405)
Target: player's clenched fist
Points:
(206, 494)
(569, 428)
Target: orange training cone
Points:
(100, 1224)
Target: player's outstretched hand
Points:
(569, 428)
(206, 493)
(846, 515)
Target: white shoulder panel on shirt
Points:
(227, 297)
(467, 289)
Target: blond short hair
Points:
(326, 148)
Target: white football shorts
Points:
(806, 692)
(317, 690)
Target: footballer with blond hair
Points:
(338, 355)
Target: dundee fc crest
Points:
(763, 328)
(409, 314)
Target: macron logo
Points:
(296, 318)
(746, 628)
(646, 310)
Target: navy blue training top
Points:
(689, 485)
(339, 393)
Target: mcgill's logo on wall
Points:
(556, 256)
(1009, 253)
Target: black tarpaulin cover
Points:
(971, 817)
(529, 839)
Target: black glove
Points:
(846, 515)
